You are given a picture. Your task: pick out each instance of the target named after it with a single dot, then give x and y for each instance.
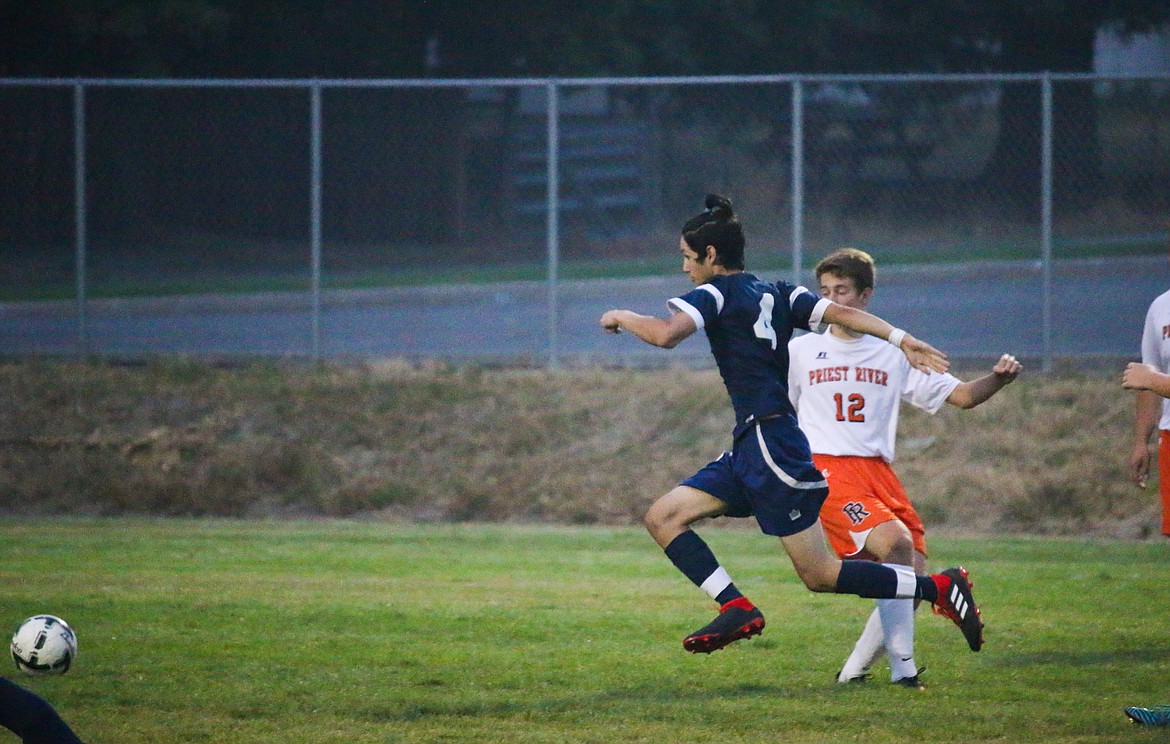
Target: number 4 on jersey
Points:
(763, 325)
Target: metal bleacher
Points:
(606, 172)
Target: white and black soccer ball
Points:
(44, 644)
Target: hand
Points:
(609, 321)
(1007, 368)
(1139, 464)
(1137, 376)
(924, 357)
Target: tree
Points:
(1058, 37)
(574, 38)
(1008, 36)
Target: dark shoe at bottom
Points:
(731, 624)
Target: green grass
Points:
(337, 631)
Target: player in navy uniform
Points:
(769, 472)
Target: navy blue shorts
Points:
(770, 475)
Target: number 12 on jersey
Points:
(854, 411)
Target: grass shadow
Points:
(1085, 658)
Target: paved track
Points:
(975, 311)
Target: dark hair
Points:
(849, 263)
(718, 226)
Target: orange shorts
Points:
(863, 493)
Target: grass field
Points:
(349, 631)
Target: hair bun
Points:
(719, 206)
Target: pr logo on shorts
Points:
(855, 511)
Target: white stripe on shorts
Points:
(788, 479)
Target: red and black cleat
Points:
(956, 602)
(737, 619)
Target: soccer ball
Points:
(44, 644)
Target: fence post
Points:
(79, 216)
(315, 216)
(797, 179)
(1046, 218)
(552, 236)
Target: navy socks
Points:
(690, 554)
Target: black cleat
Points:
(913, 683)
(957, 603)
(731, 624)
(856, 679)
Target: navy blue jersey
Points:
(749, 323)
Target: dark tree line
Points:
(524, 38)
(454, 38)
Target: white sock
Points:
(897, 619)
(907, 581)
(867, 649)
(716, 583)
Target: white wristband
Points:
(896, 337)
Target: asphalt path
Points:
(974, 311)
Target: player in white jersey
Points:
(847, 389)
(1150, 380)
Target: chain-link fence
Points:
(496, 219)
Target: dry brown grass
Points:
(582, 446)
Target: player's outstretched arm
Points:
(1139, 376)
(971, 394)
(664, 332)
(922, 356)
